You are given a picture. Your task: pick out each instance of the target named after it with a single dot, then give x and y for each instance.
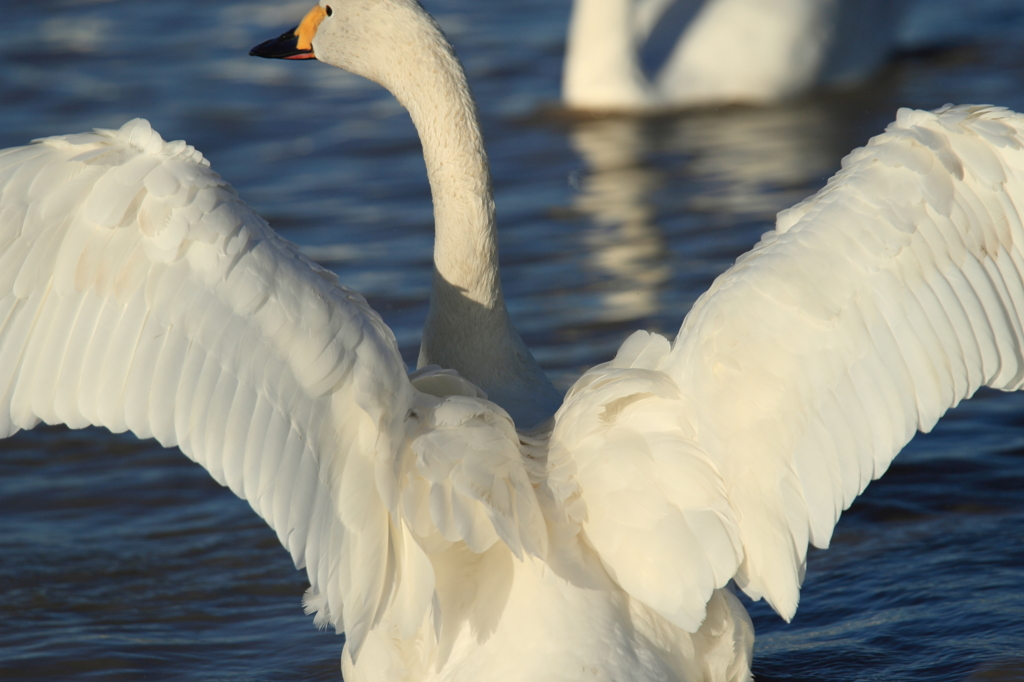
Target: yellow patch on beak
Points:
(307, 29)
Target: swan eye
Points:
(328, 10)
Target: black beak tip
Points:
(285, 46)
(259, 50)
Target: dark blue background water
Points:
(120, 560)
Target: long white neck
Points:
(602, 70)
(468, 328)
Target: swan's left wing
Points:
(138, 292)
(874, 307)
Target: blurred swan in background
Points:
(646, 55)
(447, 534)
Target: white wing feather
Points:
(138, 292)
(875, 306)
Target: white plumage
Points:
(720, 51)
(139, 293)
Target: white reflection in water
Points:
(764, 159)
(624, 241)
(731, 162)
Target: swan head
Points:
(296, 43)
(380, 40)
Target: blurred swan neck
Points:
(602, 69)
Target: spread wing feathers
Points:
(874, 307)
(137, 292)
(650, 502)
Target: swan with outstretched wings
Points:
(465, 522)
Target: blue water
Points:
(122, 561)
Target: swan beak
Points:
(294, 44)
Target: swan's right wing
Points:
(137, 292)
(876, 305)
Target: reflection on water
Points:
(641, 175)
(760, 160)
(624, 241)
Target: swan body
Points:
(449, 535)
(727, 51)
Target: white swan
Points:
(138, 292)
(720, 51)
